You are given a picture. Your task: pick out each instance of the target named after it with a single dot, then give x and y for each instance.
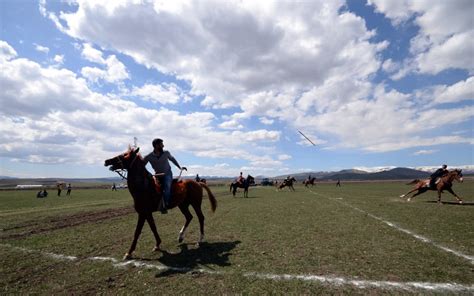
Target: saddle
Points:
(177, 187)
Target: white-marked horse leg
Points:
(181, 235)
(455, 195)
(187, 214)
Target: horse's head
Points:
(122, 161)
(250, 179)
(458, 175)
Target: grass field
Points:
(358, 239)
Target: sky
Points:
(228, 84)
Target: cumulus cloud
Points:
(6, 51)
(41, 48)
(166, 93)
(113, 70)
(445, 37)
(50, 115)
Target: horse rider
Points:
(438, 174)
(198, 179)
(240, 179)
(158, 159)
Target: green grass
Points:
(307, 232)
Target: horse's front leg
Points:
(455, 195)
(151, 222)
(138, 231)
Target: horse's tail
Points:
(413, 182)
(212, 198)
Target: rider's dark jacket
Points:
(439, 173)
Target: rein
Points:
(122, 172)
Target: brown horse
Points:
(287, 183)
(445, 183)
(147, 197)
(245, 185)
(309, 182)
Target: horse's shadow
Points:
(454, 203)
(190, 259)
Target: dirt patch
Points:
(55, 223)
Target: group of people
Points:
(60, 188)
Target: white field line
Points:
(393, 225)
(327, 280)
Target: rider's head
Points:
(444, 166)
(156, 142)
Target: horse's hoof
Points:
(461, 202)
(180, 239)
(402, 196)
(408, 199)
(127, 256)
(157, 249)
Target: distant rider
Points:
(240, 179)
(438, 174)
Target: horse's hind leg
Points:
(138, 231)
(197, 209)
(187, 214)
(151, 222)
(413, 190)
(455, 195)
(420, 191)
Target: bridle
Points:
(122, 171)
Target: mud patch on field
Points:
(51, 224)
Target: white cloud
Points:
(49, 115)
(166, 93)
(92, 54)
(425, 152)
(115, 71)
(445, 37)
(6, 51)
(59, 59)
(41, 48)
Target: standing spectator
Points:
(198, 179)
(338, 184)
(114, 188)
(68, 189)
(59, 185)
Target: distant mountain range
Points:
(350, 174)
(392, 174)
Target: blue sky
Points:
(227, 85)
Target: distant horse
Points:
(287, 183)
(245, 185)
(445, 183)
(146, 196)
(309, 182)
(203, 181)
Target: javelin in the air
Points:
(306, 138)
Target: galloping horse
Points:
(288, 183)
(245, 184)
(146, 196)
(309, 182)
(445, 183)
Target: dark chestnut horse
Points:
(287, 183)
(147, 197)
(309, 182)
(245, 185)
(445, 183)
